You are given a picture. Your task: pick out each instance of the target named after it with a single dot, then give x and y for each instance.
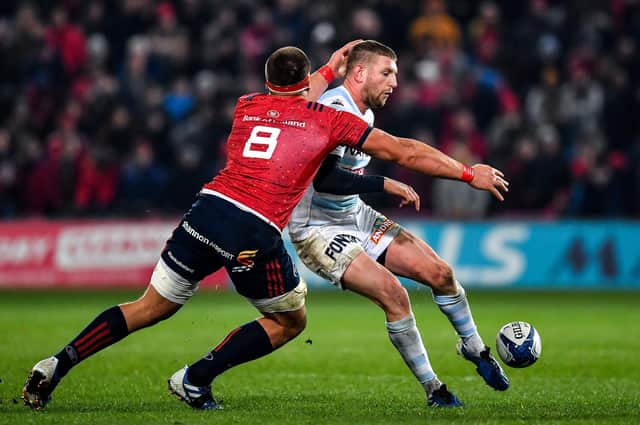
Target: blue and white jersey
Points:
(354, 160)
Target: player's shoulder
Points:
(252, 96)
(368, 117)
(316, 106)
(327, 113)
(337, 98)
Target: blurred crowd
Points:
(122, 107)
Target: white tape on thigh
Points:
(171, 285)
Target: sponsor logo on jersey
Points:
(337, 245)
(380, 227)
(271, 119)
(205, 240)
(246, 260)
(293, 123)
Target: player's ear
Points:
(360, 73)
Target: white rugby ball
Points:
(518, 344)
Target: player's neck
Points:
(351, 87)
(302, 95)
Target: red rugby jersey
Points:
(275, 148)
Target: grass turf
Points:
(341, 370)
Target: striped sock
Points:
(457, 310)
(106, 329)
(406, 338)
(243, 344)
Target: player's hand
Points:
(338, 60)
(404, 191)
(486, 177)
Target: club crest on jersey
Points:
(246, 260)
(380, 227)
(337, 244)
(273, 114)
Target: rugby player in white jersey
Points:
(347, 242)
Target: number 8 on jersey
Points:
(255, 145)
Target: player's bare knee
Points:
(293, 328)
(291, 323)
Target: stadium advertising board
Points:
(118, 253)
(533, 254)
(493, 254)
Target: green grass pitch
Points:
(341, 370)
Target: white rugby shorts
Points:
(331, 245)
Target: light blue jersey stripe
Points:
(334, 205)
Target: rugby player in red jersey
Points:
(277, 143)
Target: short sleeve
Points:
(348, 129)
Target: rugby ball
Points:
(518, 344)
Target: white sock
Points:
(406, 338)
(457, 310)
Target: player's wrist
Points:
(327, 73)
(467, 174)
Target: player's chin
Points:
(381, 101)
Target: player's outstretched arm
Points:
(421, 157)
(334, 68)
